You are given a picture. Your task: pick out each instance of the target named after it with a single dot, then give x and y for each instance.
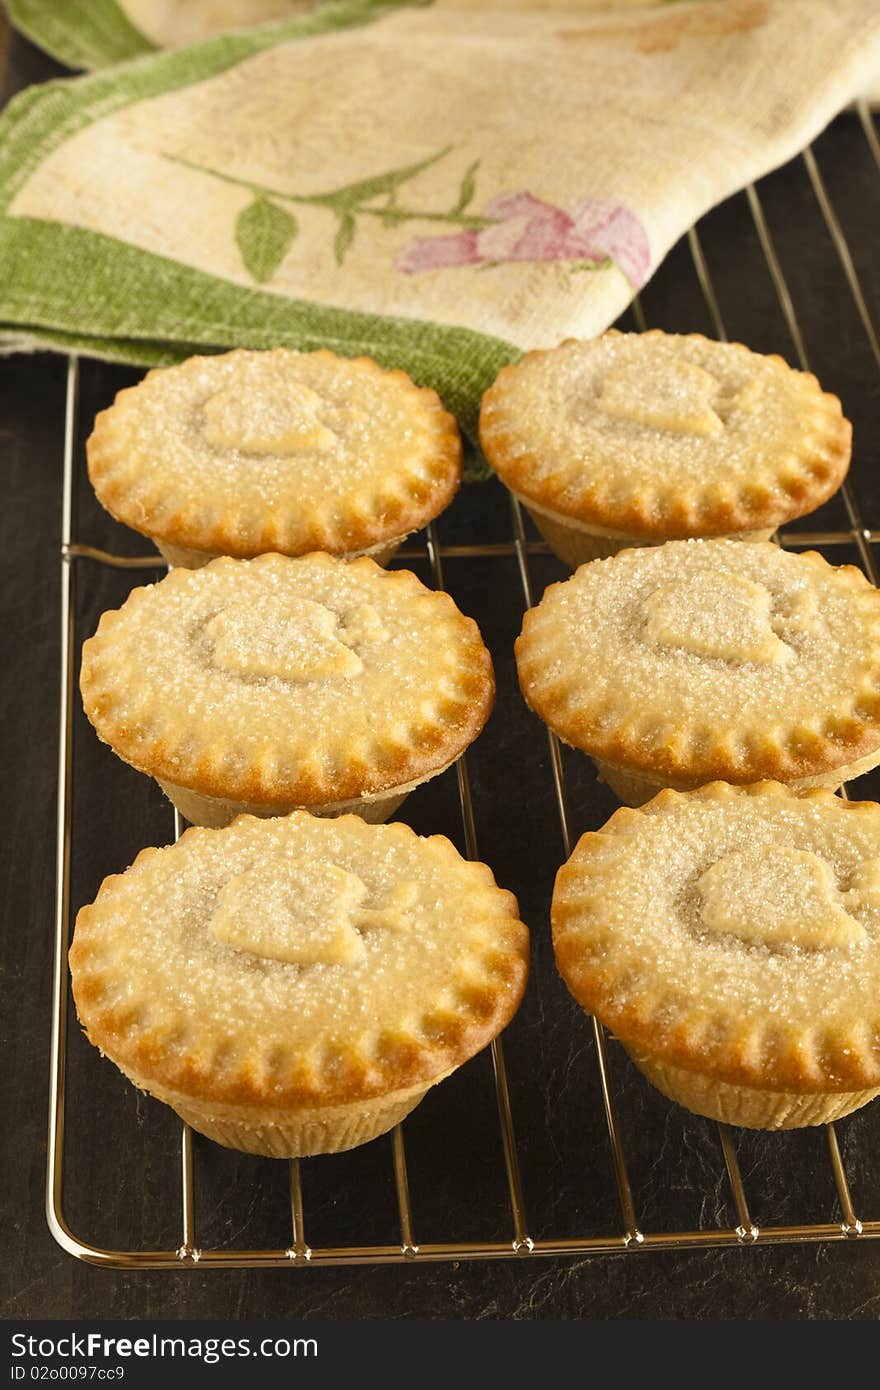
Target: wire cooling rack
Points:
(620, 1228)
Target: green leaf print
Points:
(264, 230)
(263, 233)
(344, 237)
(468, 187)
(352, 194)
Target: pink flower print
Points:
(521, 227)
(608, 228)
(439, 252)
(526, 229)
(514, 227)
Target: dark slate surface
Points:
(122, 1154)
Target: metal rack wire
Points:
(625, 1235)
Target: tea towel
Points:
(438, 188)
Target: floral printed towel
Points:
(440, 190)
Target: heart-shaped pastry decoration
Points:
(304, 913)
(773, 895)
(677, 396)
(263, 421)
(290, 637)
(718, 614)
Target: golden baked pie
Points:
(731, 939)
(636, 438)
(263, 685)
(248, 452)
(692, 661)
(294, 986)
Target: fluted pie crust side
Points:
(216, 811)
(247, 452)
(662, 436)
(767, 977)
(749, 1107)
(697, 661)
(276, 682)
(275, 968)
(575, 543)
(183, 557)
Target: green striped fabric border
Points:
(80, 33)
(83, 290)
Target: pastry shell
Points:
(248, 452)
(270, 684)
(633, 439)
(759, 663)
(766, 1017)
(576, 543)
(249, 1021)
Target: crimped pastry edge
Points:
(802, 753)
(402, 1063)
(818, 1065)
(291, 530)
(675, 513)
(161, 757)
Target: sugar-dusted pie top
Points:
(287, 681)
(660, 435)
(286, 451)
(701, 659)
(298, 960)
(734, 931)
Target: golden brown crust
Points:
(632, 484)
(162, 1041)
(147, 475)
(747, 723)
(418, 704)
(791, 1041)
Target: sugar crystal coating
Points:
(664, 435)
(274, 947)
(287, 680)
(671, 394)
(770, 894)
(709, 657)
(280, 909)
(257, 416)
(732, 930)
(286, 636)
(247, 452)
(717, 615)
